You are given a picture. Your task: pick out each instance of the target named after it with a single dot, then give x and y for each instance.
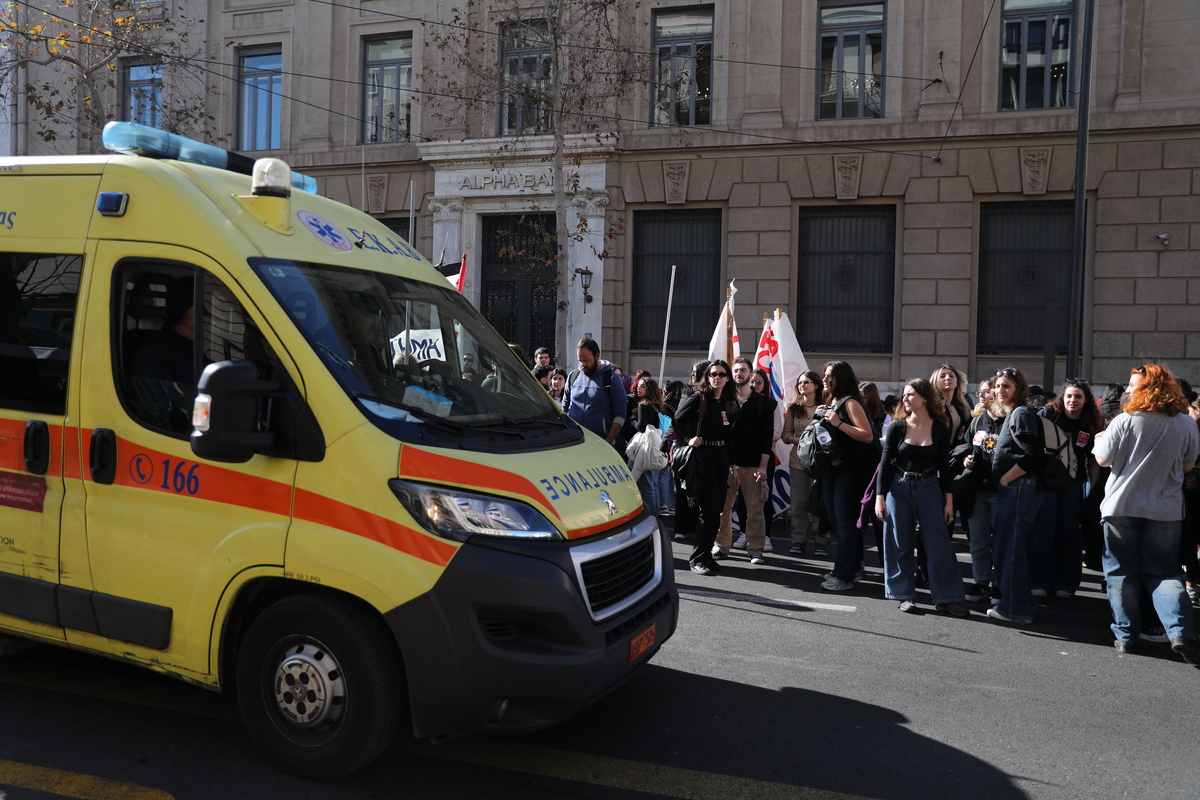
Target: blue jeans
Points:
(843, 491)
(983, 527)
(648, 484)
(1056, 546)
(910, 502)
(1145, 552)
(1016, 508)
(666, 488)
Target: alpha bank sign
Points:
(519, 181)
(508, 180)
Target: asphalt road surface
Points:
(771, 688)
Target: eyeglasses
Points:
(1079, 381)
(1008, 372)
(1141, 369)
(805, 383)
(756, 383)
(718, 374)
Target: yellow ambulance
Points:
(250, 438)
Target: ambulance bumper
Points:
(521, 635)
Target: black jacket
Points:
(1018, 439)
(752, 431)
(982, 435)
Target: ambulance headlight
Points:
(458, 515)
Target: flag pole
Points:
(783, 376)
(728, 323)
(662, 362)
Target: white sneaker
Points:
(740, 542)
(767, 547)
(1038, 592)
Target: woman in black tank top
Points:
(915, 486)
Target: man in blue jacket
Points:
(595, 397)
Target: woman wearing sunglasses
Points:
(704, 421)
(799, 416)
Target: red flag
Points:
(462, 274)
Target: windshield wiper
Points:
(510, 425)
(516, 421)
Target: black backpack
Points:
(607, 380)
(819, 451)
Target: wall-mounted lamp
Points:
(585, 280)
(1165, 238)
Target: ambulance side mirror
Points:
(225, 417)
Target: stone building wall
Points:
(1142, 296)
(764, 156)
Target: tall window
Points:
(1035, 67)
(847, 273)
(1024, 261)
(525, 54)
(691, 240)
(387, 85)
(682, 92)
(143, 92)
(851, 73)
(261, 76)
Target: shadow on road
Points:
(795, 737)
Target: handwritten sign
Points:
(420, 344)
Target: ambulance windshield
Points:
(416, 357)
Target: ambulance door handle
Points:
(103, 455)
(37, 446)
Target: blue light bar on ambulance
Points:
(130, 137)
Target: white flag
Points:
(718, 346)
(780, 356)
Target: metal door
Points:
(520, 287)
(1024, 260)
(847, 269)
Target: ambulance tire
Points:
(353, 681)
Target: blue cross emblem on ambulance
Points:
(608, 501)
(325, 230)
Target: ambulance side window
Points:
(38, 294)
(160, 325)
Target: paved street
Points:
(770, 689)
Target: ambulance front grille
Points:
(612, 578)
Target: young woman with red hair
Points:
(1150, 446)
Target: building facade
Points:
(897, 175)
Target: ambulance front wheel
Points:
(320, 686)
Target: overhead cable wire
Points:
(963, 85)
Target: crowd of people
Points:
(1125, 500)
